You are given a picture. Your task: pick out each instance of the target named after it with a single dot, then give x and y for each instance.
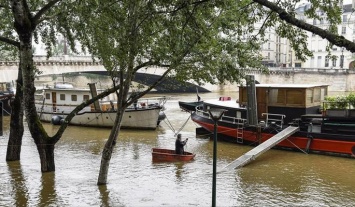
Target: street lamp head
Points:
(216, 114)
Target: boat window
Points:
(62, 97)
(86, 97)
(277, 96)
(309, 96)
(316, 95)
(48, 96)
(243, 96)
(294, 97)
(323, 94)
(2, 87)
(74, 98)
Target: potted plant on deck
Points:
(336, 106)
(351, 100)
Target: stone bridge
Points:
(85, 65)
(339, 80)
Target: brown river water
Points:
(276, 178)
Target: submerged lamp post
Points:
(216, 115)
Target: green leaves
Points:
(202, 41)
(199, 41)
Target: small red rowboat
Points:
(167, 155)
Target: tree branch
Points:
(141, 94)
(70, 116)
(9, 41)
(150, 63)
(46, 7)
(284, 15)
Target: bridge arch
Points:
(86, 65)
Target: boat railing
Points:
(274, 119)
(224, 118)
(150, 102)
(105, 105)
(58, 108)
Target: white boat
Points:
(53, 104)
(7, 94)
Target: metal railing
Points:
(224, 118)
(274, 119)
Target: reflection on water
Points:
(19, 189)
(48, 195)
(276, 178)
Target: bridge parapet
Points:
(51, 63)
(60, 61)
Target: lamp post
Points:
(216, 115)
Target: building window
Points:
(74, 97)
(86, 97)
(298, 65)
(334, 61)
(326, 61)
(268, 56)
(341, 64)
(319, 61)
(345, 18)
(314, 22)
(62, 97)
(48, 96)
(268, 46)
(343, 30)
(312, 62)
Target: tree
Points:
(21, 21)
(191, 40)
(20, 35)
(198, 40)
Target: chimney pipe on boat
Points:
(93, 92)
(252, 113)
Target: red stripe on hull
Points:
(346, 148)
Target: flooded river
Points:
(276, 178)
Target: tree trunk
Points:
(46, 155)
(16, 124)
(107, 151)
(25, 26)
